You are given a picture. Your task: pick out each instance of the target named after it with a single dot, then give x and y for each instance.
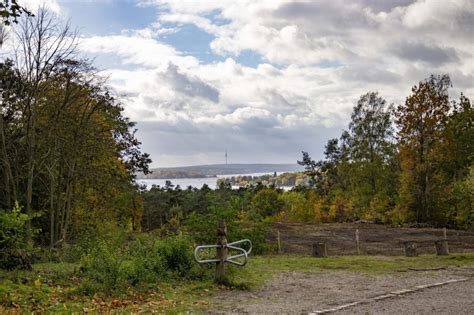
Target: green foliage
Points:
(177, 254)
(16, 248)
(10, 11)
(67, 150)
(297, 208)
(105, 268)
(203, 228)
(463, 197)
(266, 202)
(420, 174)
(115, 266)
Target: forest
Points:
(69, 159)
(68, 154)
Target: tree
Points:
(10, 84)
(310, 167)
(10, 11)
(455, 159)
(66, 149)
(458, 147)
(41, 46)
(266, 202)
(371, 151)
(421, 122)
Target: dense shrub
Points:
(203, 228)
(104, 268)
(114, 266)
(16, 250)
(176, 253)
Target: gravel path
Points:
(296, 293)
(456, 298)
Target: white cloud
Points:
(136, 50)
(34, 5)
(318, 58)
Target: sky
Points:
(264, 80)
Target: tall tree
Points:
(455, 159)
(41, 45)
(421, 122)
(371, 151)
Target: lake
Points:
(194, 182)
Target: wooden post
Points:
(221, 252)
(279, 242)
(445, 237)
(319, 250)
(357, 242)
(410, 249)
(441, 247)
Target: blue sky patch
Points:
(108, 17)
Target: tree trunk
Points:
(31, 136)
(6, 177)
(52, 212)
(68, 203)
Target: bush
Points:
(16, 249)
(104, 268)
(255, 232)
(177, 254)
(203, 228)
(115, 267)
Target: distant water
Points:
(194, 182)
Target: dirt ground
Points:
(375, 239)
(302, 293)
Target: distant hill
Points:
(213, 170)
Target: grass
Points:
(55, 287)
(261, 268)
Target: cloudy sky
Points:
(264, 79)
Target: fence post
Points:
(279, 242)
(221, 252)
(441, 247)
(319, 250)
(410, 249)
(357, 242)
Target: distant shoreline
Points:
(282, 180)
(214, 170)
